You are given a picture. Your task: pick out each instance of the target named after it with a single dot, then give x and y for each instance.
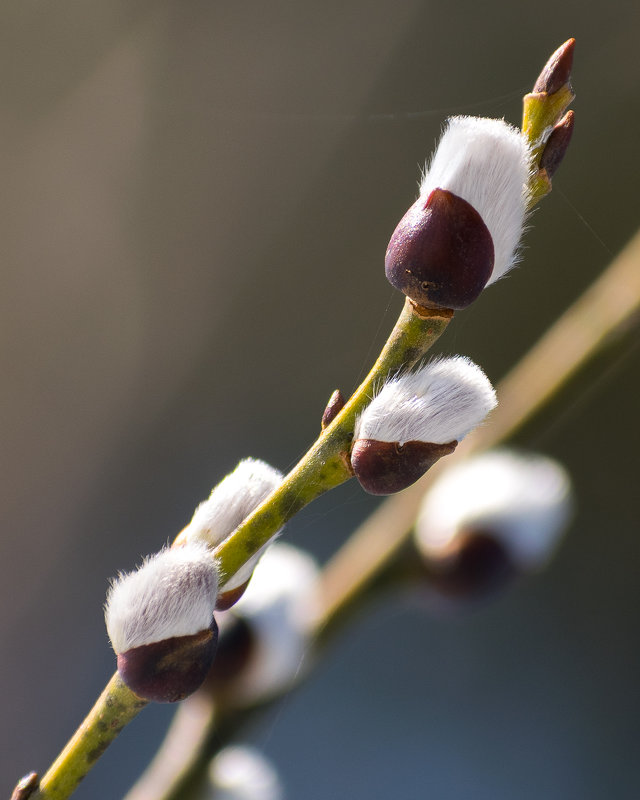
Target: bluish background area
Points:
(196, 200)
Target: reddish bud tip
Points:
(334, 407)
(26, 786)
(388, 467)
(557, 144)
(478, 566)
(441, 254)
(557, 70)
(169, 670)
(229, 598)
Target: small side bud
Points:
(334, 407)
(557, 71)
(26, 786)
(557, 144)
(492, 518)
(416, 419)
(160, 622)
(242, 773)
(463, 231)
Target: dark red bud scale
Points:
(229, 598)
(236, 645)
(334, 407)
(169, 670)
(388, 467)
(479, 565)
(557, 144)
(557, 71)
(441, 254)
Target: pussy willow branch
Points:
(609, 307)
(323, 467)
(326, 465)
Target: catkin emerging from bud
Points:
(417, 418)
(228, 505)
(160, 622)
(463, 231)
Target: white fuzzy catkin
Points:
(280, 606)
(172, 594)
(229, 504)
(242, 773)
(438, 403)
(486, 162)
(522, 499)
(231, 501)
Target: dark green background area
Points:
(196, 200)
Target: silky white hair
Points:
(486, 162)
(280, 605)
(523, 499)
(173, 593)
(229, 504)
(243, 773)
(439, 403)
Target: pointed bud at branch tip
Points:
(557, 144)
(334, 407)
(557, 71)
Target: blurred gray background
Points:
(196, 200)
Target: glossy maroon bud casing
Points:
(441, 254)
(169, 670)
(388, 467)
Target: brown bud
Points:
(334, 407)
(477, 565)
(229, 598)
(557, 70)
(235, 647)
(441, 254)
(557, 144)
(169, 670)
(388, 467)
(26, 786)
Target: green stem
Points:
(326, 464)
(116, 706)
